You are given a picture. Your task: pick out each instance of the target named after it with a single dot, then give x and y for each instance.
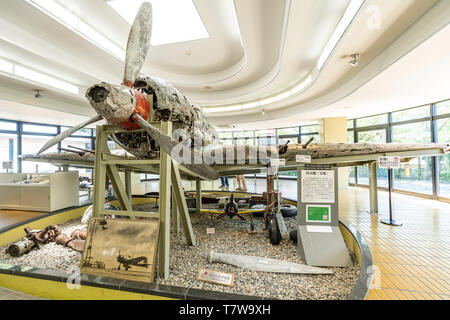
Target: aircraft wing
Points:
(341, 155)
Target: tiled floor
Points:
(411, 261)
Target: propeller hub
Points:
(117, 103)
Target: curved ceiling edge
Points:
(301, 85)
(434, 20)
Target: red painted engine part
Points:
(142, 108)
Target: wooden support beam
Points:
(164, 207)
(128, 189)
(182, 206)
(119, 189)
(198, 194)
(98, 200)
(175, 213)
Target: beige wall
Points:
(334, 130)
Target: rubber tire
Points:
(274, 231)
(258, 206)
(293, 236)
(288, 210)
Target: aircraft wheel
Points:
(288, 210)
(274, 231)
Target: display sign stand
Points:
(390, 221)
(319, 237)
(390, 163)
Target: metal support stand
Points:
(373, 188)
(108, 165)
(390, 221)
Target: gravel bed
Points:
(51, 256)
(231, 236)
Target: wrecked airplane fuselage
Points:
(116, 103)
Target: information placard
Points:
(317, 186)
(389, 162)
(223, 278)
(318, 213)
(303, 158)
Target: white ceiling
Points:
(256, 49)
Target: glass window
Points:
(30, 145)
(443, 128)
(443, 107)
(418, 132)
(287, 131)
(414, 176)
(8, 151)
(309, 129)
(373, 136)
(82, 132)
(6, 125)
(82, 143)
(363, 175)
(225, 135)
(243, 134)
(351, 137)
(265, 133)
(411, 114)
(372, 121)
(40, 129)
(267, 141)
(349, 124)
(305, 138)
(351, 175)
(227, 142)
(284, 140)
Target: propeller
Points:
(138, 43)
(167, 143)
(68, 132)
(137, 49)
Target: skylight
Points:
(173, 20)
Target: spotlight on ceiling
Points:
(354, 62)
(263, 112)
(38, 94)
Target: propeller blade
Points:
(166, 143)
(138, 43)
(68, 132)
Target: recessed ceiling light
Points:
(263, 112)
(173, 20)
(189, 53)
